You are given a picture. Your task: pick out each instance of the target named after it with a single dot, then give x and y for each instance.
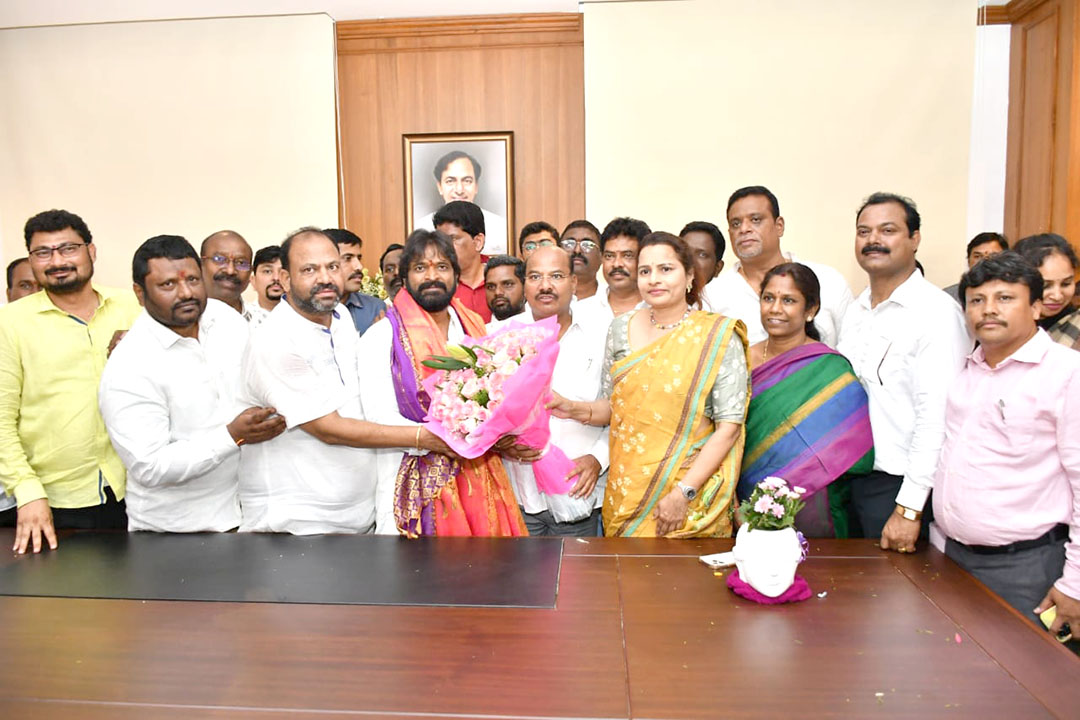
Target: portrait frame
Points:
(494, 185)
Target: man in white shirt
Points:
(707, 246)
(906, 340)
(226, 268)
(314, 477)
(169, 398)
(549, 288)
(504, 286)
(266, 280)
(582, 240)
(618, 255)
(755, 227)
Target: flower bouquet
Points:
(497, 385)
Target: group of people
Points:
(678, 387)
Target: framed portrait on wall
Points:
(477, 167)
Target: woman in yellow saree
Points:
(675, 393)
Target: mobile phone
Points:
(1048, 617)
(718, 560)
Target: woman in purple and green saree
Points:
(808, 420)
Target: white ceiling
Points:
(22, 13)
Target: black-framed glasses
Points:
(570, 244)
(240, 264)
(66, 250)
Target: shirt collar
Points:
(1031, 352)
(355, 299)
(106, 296)
(903, 295)
(169, 337)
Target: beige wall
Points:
(178, 127)
(824, 102)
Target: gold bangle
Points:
(418, 436)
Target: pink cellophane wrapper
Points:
(522, 412)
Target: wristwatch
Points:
(687, 492)
(907, 513)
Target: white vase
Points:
(767, 559)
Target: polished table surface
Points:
(640, 629)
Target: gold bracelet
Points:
(418, 436)
(589, 421)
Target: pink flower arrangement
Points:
(471, 386)
(772, 505)
(495, 386)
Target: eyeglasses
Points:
(570, 244)
(240, 264)
(533, 244)
(66, 250)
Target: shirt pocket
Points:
(1007, 431)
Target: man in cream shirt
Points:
(169, 398)
(755, 227)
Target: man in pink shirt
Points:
(1007, 488)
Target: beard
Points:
(432, 302)
(317, 306)
(173, 319)
(506, 310)
(73, 284)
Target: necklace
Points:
(765, 356)
(658, 326)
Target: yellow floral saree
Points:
(659, 424)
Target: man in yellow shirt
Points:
(55, 455)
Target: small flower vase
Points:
(767, 559)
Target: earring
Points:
(810, 319)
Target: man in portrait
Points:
(457, 177)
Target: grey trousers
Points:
(1021, 579)
(543, 523)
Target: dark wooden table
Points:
(641, 629)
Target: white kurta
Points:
(379, 404)
(296, 483)
(166, 401)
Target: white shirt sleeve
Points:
(939, 358)
(287, 382)
(379, 404)
(136, 414)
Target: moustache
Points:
(273, 285)
(992, 321)
(546, 294)
(358, 275)
(316, 289)
(226, 277)
(875, 248)
(619, 271)
(432, 284)
(578, 257)
(500, 302)
(59, 270)
(184, 304)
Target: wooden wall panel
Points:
(1042, 185)
(523, 73)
